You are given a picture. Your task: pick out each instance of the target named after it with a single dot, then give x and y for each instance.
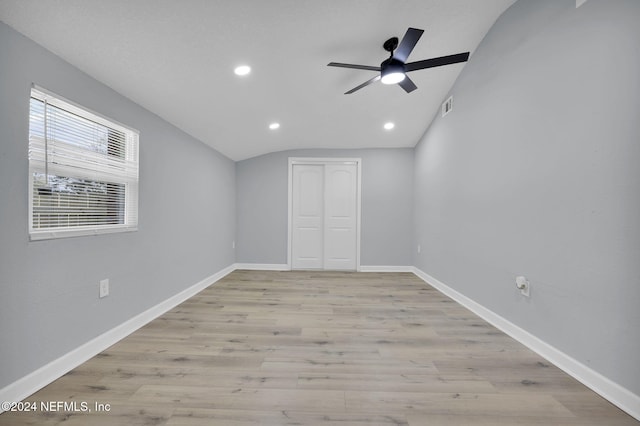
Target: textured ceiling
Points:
(176, 58)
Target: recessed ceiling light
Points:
(242, 70)
(274, 126)
(389, 126)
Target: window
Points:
(83, 171)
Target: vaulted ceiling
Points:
(176, 58)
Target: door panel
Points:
(307, 216)
(310, 192)
(340, 233)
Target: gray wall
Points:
(535, 172)
(49, 289)
(387, 191)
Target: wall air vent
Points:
(447, 106)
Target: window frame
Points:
(130, 177)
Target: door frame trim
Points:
(323, 161)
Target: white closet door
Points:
(307, 216)
(340, 216)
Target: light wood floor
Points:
(321, 348)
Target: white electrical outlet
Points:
(523, 285)
(104, 288)
(419, 249)
(233, 244)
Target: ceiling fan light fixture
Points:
(392, 72)
(392, 78)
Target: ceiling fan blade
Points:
(366, 83)
(407, 84)
(357, 67)
(437, 62)
(407, 44)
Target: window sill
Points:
(50, 234)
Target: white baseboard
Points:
(613, 392)
(285, 267)
(263, 266)
(379, 268)
(32, 382)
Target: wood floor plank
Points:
(392, 383)
(242, 398)
(207, 417)
(320, 348)
(419, 418)
(459, 403)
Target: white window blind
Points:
(83, 171)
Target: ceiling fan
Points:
(393, 70)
